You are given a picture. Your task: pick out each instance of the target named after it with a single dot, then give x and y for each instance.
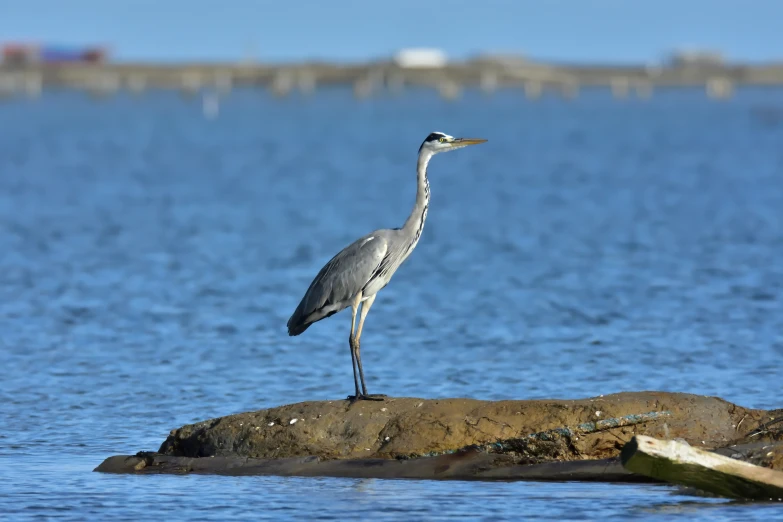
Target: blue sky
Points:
(576, 30)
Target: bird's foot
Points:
(362, 397)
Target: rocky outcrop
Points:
(407, 427)
(463, 437)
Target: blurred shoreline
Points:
(488, 73)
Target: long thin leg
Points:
(357, 342)
(352, 343)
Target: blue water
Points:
(150, 257)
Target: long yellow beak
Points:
(464, 142)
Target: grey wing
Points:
(339, 281)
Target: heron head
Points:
(439, 142)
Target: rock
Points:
(406, 427)
(464, 465)
(765, 454)
(468, 438)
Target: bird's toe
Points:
(373, 397)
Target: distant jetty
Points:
(716, 78)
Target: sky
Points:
(618, 31)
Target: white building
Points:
(420, 58)
(695, 57)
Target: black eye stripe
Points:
(434, 136)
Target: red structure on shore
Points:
(26, 54)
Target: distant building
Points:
(20, 54)
(502, 59)
(695, 58)
(420, 58)
(15, 54)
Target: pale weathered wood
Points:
(679, 463)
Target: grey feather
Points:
(367, 265)
(340, 280)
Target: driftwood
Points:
(679, 463)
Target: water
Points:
(150, 257)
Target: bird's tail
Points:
(298, 322)
(297, 328)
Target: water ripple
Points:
(149, 260)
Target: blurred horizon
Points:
(608, 31)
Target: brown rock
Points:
(463, 465)
(409, 427)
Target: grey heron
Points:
(357, 273)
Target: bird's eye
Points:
(442, 140)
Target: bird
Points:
(354, 276)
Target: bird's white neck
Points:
(414, 225)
